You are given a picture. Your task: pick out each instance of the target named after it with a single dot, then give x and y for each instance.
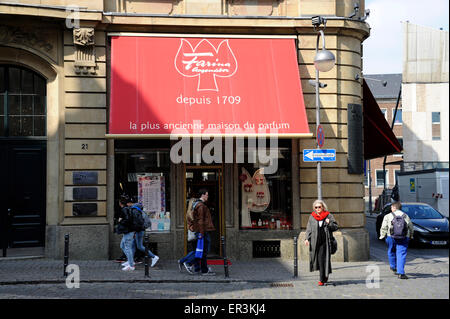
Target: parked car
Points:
(430, 226)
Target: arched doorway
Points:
(23, 140)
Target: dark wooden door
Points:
(23, 165)
(209, 178)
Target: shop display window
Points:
(144, 173)
(266, 199)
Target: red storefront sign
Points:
(205, 86)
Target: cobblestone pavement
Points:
(428, 271)
(428, 278)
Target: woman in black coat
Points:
(319, 230)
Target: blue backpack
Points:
(399, 227)
(138, 219)
(147, 221)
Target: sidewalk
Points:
(428, 279)
(269, 277)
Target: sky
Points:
(383, 49)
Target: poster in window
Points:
(255, 195)
(152, 196)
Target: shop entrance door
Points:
(209, 177)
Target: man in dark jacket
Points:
(202, 225)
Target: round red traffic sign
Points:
(320, 136)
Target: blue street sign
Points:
(319, 155)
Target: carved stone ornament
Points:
(83, 36)
(11, 35)
(84, 42)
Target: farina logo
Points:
(205, 62)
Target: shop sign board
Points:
(85, 178)
(319, 155)
(209, 85)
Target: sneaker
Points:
(125, 264)
(128, 268)
(180, 265)
(209, 273)
(138, 261)
(321, 283)
(394, 270)
(402, 276)
(190, 269)
(154, 261)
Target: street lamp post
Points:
(323, 62)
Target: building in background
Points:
(386, 91)
(425, 97)
(425, 94)
(68, 83)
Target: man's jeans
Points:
(139, 243)
(201, 264)
(127, 246)
(189, 258)
(397, 250)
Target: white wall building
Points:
(425, 97)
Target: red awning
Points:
(379, 140)
(205, 86)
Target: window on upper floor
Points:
(436, 126)
(398, 116)
(22, 102)
(400, 140)
(379, 177)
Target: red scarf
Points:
(320, 216)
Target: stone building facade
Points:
(69, 47)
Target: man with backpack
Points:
(398, 230)
(141, 221)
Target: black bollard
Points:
(66, 253)
(4, 238)
(146, 258)
(225, 261)
(4, 230)
(295, 258)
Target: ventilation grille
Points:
(266, 249)
(281, 284)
